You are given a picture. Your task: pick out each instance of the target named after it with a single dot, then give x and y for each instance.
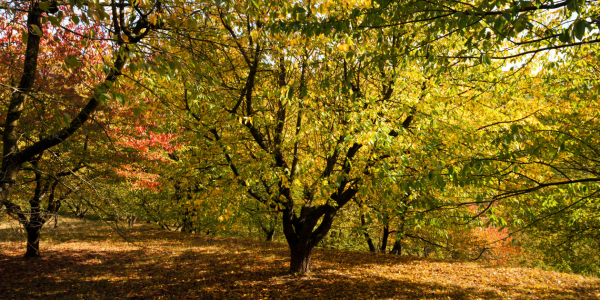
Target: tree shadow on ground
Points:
(197, 267)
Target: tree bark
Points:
(11, 163)
(300, 259)
(78, 209)
(366, 234)
(270, 235)
(426, 251)
(33, 240)
(13, 158)
(131, 221)
(80, 213)
(305, 232)
(33, 226)
(397, 248)
(384, 238)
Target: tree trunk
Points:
(270, 235)
(33, 240)
(300, 259)
(397, 248)
(187, 224)
(426, 251)
(384, 238)
(303, 234)
(81, 213)
(185, 228)
(366, 234)
(131, 221)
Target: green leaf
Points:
(498, 24)
(462, 22)
(133, 67)
(579, 29)
(519, 26)
(120, 97)
(37, 30)
(45, 6)
(72, 61)
(66, 118)
(75, 19)
(54, 20)
(486, 59)
(565, 37)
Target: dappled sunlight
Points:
(462, 136)
(172, 264)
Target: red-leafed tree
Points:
(60, 64)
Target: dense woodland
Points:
(465, 130)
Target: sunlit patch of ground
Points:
(90, 261)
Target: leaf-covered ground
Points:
(100, 264)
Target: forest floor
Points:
(92, 261)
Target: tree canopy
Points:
(447, 128)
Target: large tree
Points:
(35, 21)
(303, 121)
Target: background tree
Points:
(31, 19)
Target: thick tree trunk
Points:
(304, 233)
(300, 259)
(33, 240)
(187, 224)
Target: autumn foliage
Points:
(433, 140)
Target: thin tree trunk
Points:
(131, 220)
(363, 222)
(270, 235)
(36, 220)
(426, 251)
(185, 228)
(384, 238)
(81, 213)
(397, 248)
